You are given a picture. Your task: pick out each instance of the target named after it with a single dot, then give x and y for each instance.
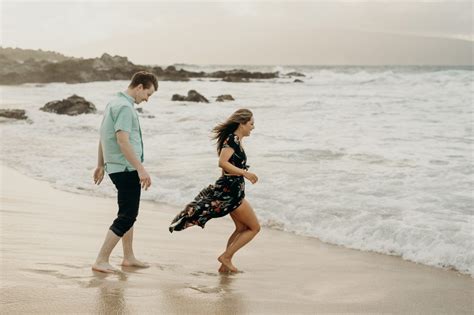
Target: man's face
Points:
(143, 94)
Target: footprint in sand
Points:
(202, 273)
(65, 265)
(79, 274)
(55, 273)
(207, 290)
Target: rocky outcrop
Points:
(298, 81)
(225, 97)
(13, 114)
(235, 79)
(193, 96)
(295, 74)
(242, 74)
(21, 55)
(106, 68)
(73, 105)
(171, 74)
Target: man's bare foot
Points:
(227, 263)
(134, 263)
(104, 267)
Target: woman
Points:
(227, 195)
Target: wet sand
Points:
(50, 238)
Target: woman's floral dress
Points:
(219, 199)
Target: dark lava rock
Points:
(193, 96)
(225, 97)
(144, 113)
(73, 105)
(177, 97)
(13, 113)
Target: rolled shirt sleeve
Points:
(124, 119)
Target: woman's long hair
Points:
(223, 130)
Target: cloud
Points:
(189, 31)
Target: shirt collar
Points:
(128, 97)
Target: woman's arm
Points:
(224, 163)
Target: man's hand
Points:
(98, 175)
(145, 180)
(129, 154)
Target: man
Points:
(121, 156)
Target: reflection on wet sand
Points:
(110, 297)
(205, 293)
(231, 299)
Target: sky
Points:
(246, 32)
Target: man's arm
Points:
(99, 171)
(100, 156)
(127, 150)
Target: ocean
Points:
(371, 158)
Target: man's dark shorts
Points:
(128, 199)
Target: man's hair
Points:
(144, 78)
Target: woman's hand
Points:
(251, 177)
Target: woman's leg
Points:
(239, 228)
(244, 215)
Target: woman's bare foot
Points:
(104, 267)
(134, 263)
(223, 269)
(224, 260)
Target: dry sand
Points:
(49, 239)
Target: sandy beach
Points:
(49, 238)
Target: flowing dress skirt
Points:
(214, 201)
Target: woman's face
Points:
(248, 127)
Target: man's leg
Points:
(128, 199)
(129, 259)
(102, 262)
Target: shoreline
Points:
(172, 214)
(49, 239)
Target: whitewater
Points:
(371, 158)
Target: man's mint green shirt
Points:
(120, 115)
